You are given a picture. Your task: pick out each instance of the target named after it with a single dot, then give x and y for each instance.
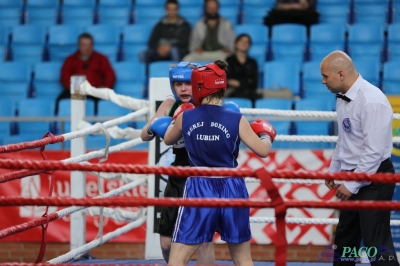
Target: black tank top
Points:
(181, 156)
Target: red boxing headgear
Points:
(207, 80)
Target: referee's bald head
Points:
(339, 61)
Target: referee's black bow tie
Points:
(343, 97)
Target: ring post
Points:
(78, 147)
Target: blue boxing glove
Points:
(159, 126)
(232, 106)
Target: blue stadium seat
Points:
(131, 89)
(130, 72)
(288, 42)
(79, 3)
(135, 38)
(191, 14)
(14, 79)
(81, 16)
(259, 53)
(242, 102)
(4, 35)
(254, 14)
(312, 128)
(260, 3)
(325, 38)
(334, 2)
(11, 3)
(231, 13)
(371, 14)
(63, 41)
(191, 3)
(46, 16)
(279, 74)
(395, 11)
(28, 43)
(149, 3)
(338, 14)
(369, 71)
(7, 108)
(108, 108)
(64, 109)
(47, 80)
(149, 15)
(160, 69)
(35, 108)
(119, 16)
(365, 41)
(106, 39)
(391, 78)
(3, 52)
(312, 81)
(394, 42)
(42, 3)
(235, 3)
(258, 33)
(115, 3)
(384, 3)
(10, 17)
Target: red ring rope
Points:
(31, 144)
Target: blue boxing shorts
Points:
(196, 225)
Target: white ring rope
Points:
(115, 192)
(288, 181)
(115, 132)
(97, 242)
(292, 220)
(110, 123)
(109, 94)
(116, 214)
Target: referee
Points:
(364, 144)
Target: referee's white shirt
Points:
(365, 131)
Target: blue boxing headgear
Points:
(181, 73)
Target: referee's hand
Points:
(330, 184)
(342, 193)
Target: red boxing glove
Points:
(262, 127)
(182, 108)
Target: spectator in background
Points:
(242, 71)
(293, 11)
(212, 37)
(89, 63)
(170, 37)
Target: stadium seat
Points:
(191, 14)
(135, 38)
(312, 81)
(35, 108)
(11, 3)
(384, 3)
(288, 42)
(149, 15)
(63, 41)
(242, 102)
(259, 53)
(338, 14)
(325, 38)
(258, 33)
(80, 16)
(234, 3)
(46, 16)
(65, 111)
(14, 79)
(7, 109)
(396, 12)
(79, 3)
(4, 36)
(365, 41)
(108, 108)
(131, 89)
(394, 42)
(369, 71)
(3, 52)
(28, 43)
(280, 74)
(260, 3)
(106, 39)
(371, 14)
(119, 16)
(312, 128)
(46, 80)
(42, 3)
(10, 17)
(254, 14)
(191, 3)
(115, 3)
(149, 3)
(130, 72)
(334, 2)
(391, 78)
(160, 69)
(231, 13)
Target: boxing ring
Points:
(110, 203)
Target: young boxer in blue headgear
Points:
(181, 88)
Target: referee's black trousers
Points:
(372, 226)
